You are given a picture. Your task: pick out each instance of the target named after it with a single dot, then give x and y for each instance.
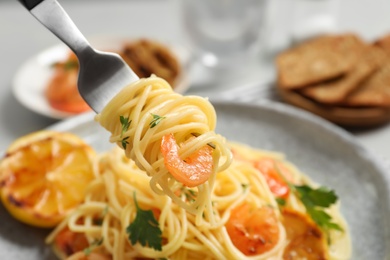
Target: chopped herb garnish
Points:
(71, 64)
(124, 142)
(281, 201)
(209, 144)
(105, 211)
(314, 201)
(190, 194)
(99, 220)
(244, 186)
(125, 123)
(156, 120)
(94, 244)
(145, 229)
(67, 65)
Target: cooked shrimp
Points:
(193, 170)
(72, 246)
(68, 242)
(253, 230)
(275, 175)
(62, 92)
(91, 256)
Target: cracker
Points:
(317, 60)
(384, 43)
(335, 91)
(147, 57)
(375, 91)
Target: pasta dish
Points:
(257, 216)
(223, 200)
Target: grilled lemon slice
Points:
(44, 175)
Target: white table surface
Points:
(21, 37)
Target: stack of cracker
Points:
(339, 77)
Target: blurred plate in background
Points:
(32, 78)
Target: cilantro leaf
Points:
(314, 201)
(156, 120)
(145, 229)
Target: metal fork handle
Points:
(51, 14)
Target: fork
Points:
(102, 74)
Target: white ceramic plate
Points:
(32, 77)
(324, 152)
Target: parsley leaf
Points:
(124, 142)
(321, 197)
(281, 201)
(189, 194)
(125, 122)
(145, 229)
(314, 201)
(323, 219)
(156, 120)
